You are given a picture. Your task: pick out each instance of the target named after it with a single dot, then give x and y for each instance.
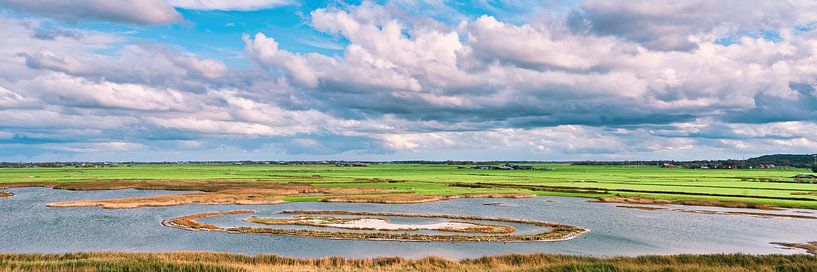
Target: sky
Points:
(178, 80)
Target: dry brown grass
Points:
(761, 214)
(414, 198)
(646, 208)
(223, 262)
(248, 197)
(189, 222)
(688, 202)
(240, 192)
(215, 192)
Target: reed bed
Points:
(223, 262)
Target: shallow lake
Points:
(27, 225)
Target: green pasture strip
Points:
(718, 184)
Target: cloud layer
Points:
(598, 81)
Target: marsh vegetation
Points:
(222, 262)
(549, 232)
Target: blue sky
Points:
(166, 80)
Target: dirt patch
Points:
(811, 247)
(555, 232)
(414, 198)
(5, 194)
(383, 224)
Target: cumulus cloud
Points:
(674, 25)
(406, 85)
(533, 75)
(128, 11)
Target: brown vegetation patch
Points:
(171, 185)
(773, 215)
(726, 204)
(191, 223)
(649, 208)
(805, 193)
(811, 247)
(225, 262)
(646, 208)
(583, 190)
(555, 232)
(252, 193)
(414, 198)
(688, 202)
(242, 198)
(632, 200)
(5, 194)
(236, 192)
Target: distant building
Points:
(507, 166)
(350, 164)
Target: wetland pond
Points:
(27, 225)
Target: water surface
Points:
(27, 225)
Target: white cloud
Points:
(680, 25)
(126, 11)
(228, 4)
(410, 85)
(79, 92)
(100, 147)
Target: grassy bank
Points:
(194, 261)
(759, 187)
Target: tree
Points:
(814, 165)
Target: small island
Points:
(382, 230)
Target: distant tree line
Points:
(767, 161)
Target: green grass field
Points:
(750, 185)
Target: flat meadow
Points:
(775, 187)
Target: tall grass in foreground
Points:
(222, 262)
